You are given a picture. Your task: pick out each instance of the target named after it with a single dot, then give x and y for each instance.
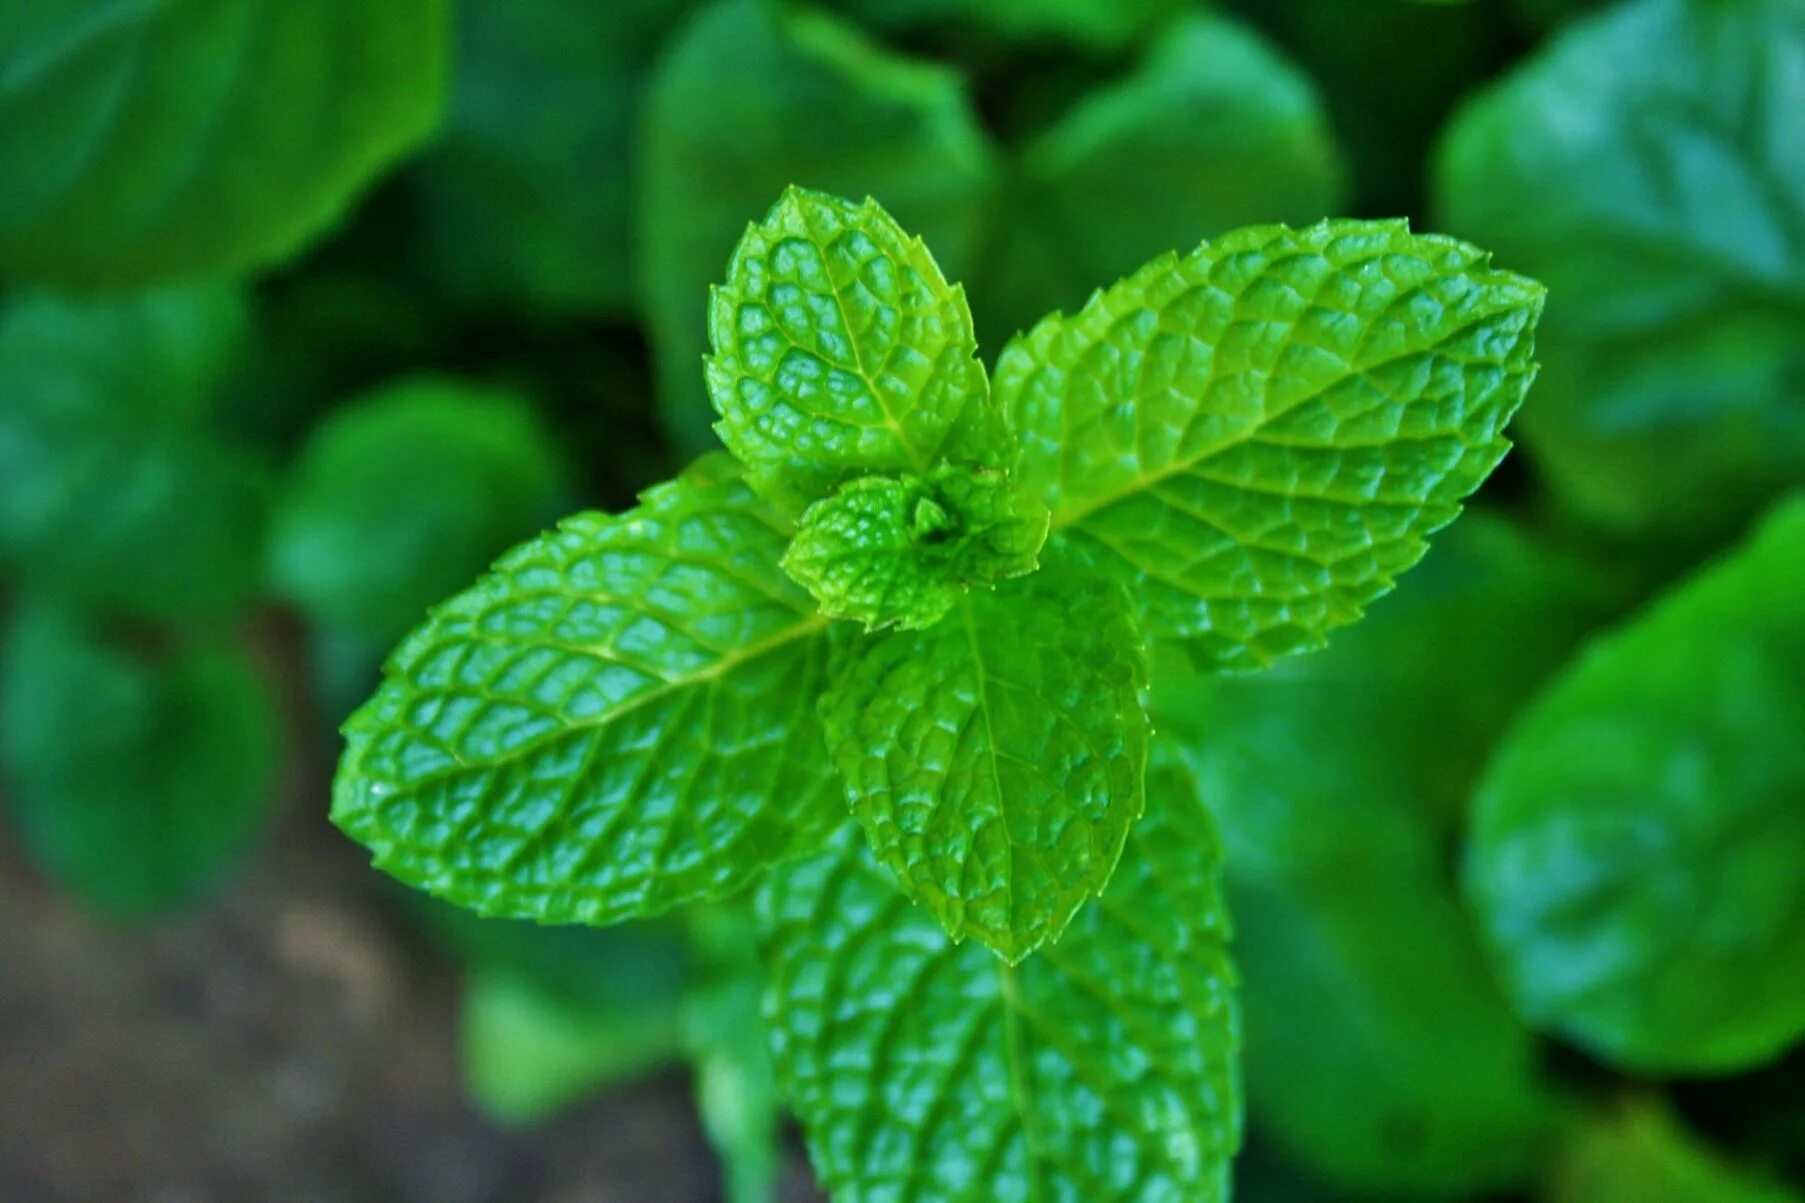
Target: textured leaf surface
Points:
(1637, 839)
(886, 550)
(996, 759)
(135, 784)
(526, 198)
(405, 494)
(1662, 143)
(1212, 130)
(840, 350)
(114, 491)
(815, 104)
(1381, 1054)
(1261, 435)
(148, 140)
(1101, 1070)
(618, 718)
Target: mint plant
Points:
(890, 655)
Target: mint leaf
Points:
(1636, 841)
(529, 1052)
(147, 141)
(840, 350)
(403, 495)
(526, 198)
(1666, 227)
(135, 783)
(903, 550)
(1639, 1153)
(1102, 1068)
(1213, 129)
(815, 104)
(115, 491)
(1260, 435)
(995, 760)
(617, 719)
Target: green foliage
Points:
(402, 495)
(1101, 24)
(1637, 838)
(1639, 1154)
(525, 756)
(1379, 1051)
(142, 142)
(1101, 1069)
(995, 760)
(115, 490)
(1211, 130)
(1261, 434)
(1665, 225)
(815, 104)
(169, 780)
(885, 550)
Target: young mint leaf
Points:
(995, 760)
(1639, 1153)
(1260, 435)
(526, 199)
(903, 550)
(146, 141)
(1636, 840)
(924, 1071)
(405, 494)
(136, 784)
(840, 350)
(617, 719)
(114, 490)
(1666, 226)
(529, 1051)
(815, 104)
(1212, 130)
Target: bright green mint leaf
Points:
(1636, 841)
(404, 495)
(617, 719)
(724, 1034)
(1260, 435)
(996, 759)
(815, 104)
(115, 491)
(135, 783)
(903, 550)
(1665, 223)
(1639, 1153)
(840, 350)
(1213, 129)
(526, 199)
(529, 1052)
(143, 141)
(1101, 1069)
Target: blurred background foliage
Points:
(307, 311)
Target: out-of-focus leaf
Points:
(1212, 130)
(113, 489)
(526, 200)
(529, 1052)
(1649, 167)
(145, 141)
(1639, 1154)
(1380, 1053)
(136, 783)
(1099, 25)
(405, 494)
(725, 1035)
(752, 99)
(1637, 839)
